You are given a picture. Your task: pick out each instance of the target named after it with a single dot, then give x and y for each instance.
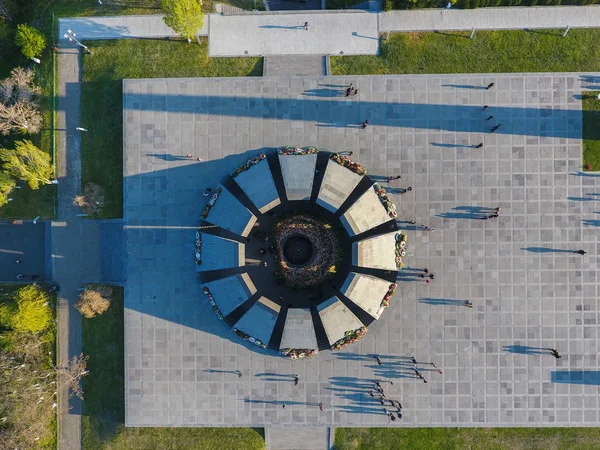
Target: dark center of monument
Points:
(297, 250)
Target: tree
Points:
(19, 103)
(71, 375)
(31, 40)
(27, 163)
(7, 184)
(33, 310)
(184, 16)
(94, 301)
(92, 199)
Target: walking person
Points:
(306, 26)
(490, 118)
(283, 406)
(468, 304)
(484, 108)
(439, 371)
(17, 261)
(404, 191)
(377, 359)
(412, 358)
(296, 379)
(555, 353)
(321, 406)
(580, 252)
(479, 145)
(365, 124)
(207, 192)
(355, 92)
(382, 400)
(494, 128)
(348, 92)
(239, 373)
(20, 276)
(489, 86)
(497, 210)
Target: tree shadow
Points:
(169, 157)
(590, 377)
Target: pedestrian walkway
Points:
(75, 243)
(329, 33)
(348, 32)
(510, 18)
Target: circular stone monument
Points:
(298, 251)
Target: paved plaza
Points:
(527, 290)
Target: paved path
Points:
(23, 242)
(304, 438)
(75, 243)
(330, 32)
(352, 32)
(510, 18)
(527, 291)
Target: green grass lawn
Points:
(103, 406)
(467, 438)
(590, 107)
(103, 72)
(489, 51)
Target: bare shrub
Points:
(91, 201)
(94, 301)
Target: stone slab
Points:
(378, 252)
(366, 291)
(366, 213)
(259, 321)
(337, 319)
(230, 214)
(338, 183)
(298, 173)
(299, 331)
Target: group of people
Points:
(351, 91)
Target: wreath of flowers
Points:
(249, 338)
(349, 164)
(349, 338)
(390, 207)
(211, 202)
(198, 248)
(251, 162)
(386, 299)
(325, 246)
(290, 150)
(400, 250)
(299, 353)
(211, 300)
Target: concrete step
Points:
(301, 438)
(295, 65)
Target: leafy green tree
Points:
(184, 16)
(31, 40)
(7, 184)
(33, 310)
(27, 163)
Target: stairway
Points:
(322, 340)
(275, 341)
(295, 65)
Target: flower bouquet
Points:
(212, 302)
(350, 337)
(400, 250)
(390, 207)
(349, 164)
(289, 150)
(386, 300)
(211, 202)
(251, 162)
(296, 353)
(249, 338)
(198, 248)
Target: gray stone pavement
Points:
(75, 243)
(350, 33)
(330, 32)
(526, 290)
(25, 243)
(509, 18)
